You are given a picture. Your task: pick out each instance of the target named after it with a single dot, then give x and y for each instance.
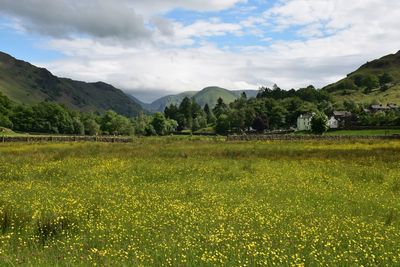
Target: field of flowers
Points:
(200, 202)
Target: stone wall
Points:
(34, 139)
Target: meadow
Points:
(200, 202)
(381, 132)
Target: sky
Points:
(151, 48)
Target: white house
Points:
(333, 123)
(304, 122)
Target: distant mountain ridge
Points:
(208, 95)
(28, 84)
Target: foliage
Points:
(319, 123)
(385, 78)
(189, 115)
(161, 125)
(370, 82)
(223, 125)
(115, 124)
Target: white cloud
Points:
(120, 19)
(334, 37)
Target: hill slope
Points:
(378, 80)
(25, 83)
(161, 103)
(208, 96)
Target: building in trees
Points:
(304, 122)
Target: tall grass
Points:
(200, 202)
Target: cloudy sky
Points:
(156, 47)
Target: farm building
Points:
(304, 122)
(340, 119)
(333, 123)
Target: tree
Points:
(319, 123)
(237, 120)
(196, 125)
(91, 126)
(5, 121)
(202, 122)
(196, 110)
(171, 112)
(23, 118)
(220, 108)
(358, 80)
(79, 127)
(115, 124)
(170, 126)
(351, 105)
(211, 119)
(260, 123)
(150, 130)
(250, 115)
(159, 123)
(385, 78)
(370, 82)
(161, 126)
(185, 108)
(223, 125)
(277, 116)
(51, 118)
(140, 124)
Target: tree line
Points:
(272, 109)
(53, 118)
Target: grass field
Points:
(382, 132)
(200, 202)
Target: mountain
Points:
(161, 103)
(378, 80)
(208, 95)
(249, 93)
(25, 83)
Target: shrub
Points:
(319, 124)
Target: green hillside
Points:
(249, 93)
(161, 103)
(25, 83)
(375, 81)
(210, 96)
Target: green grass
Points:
(199, 201)
(390, 96)
(8, 132)
(382, 132)
(365, 132)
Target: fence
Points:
(33, 139)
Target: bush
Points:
(223, 124)
(319, 124)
